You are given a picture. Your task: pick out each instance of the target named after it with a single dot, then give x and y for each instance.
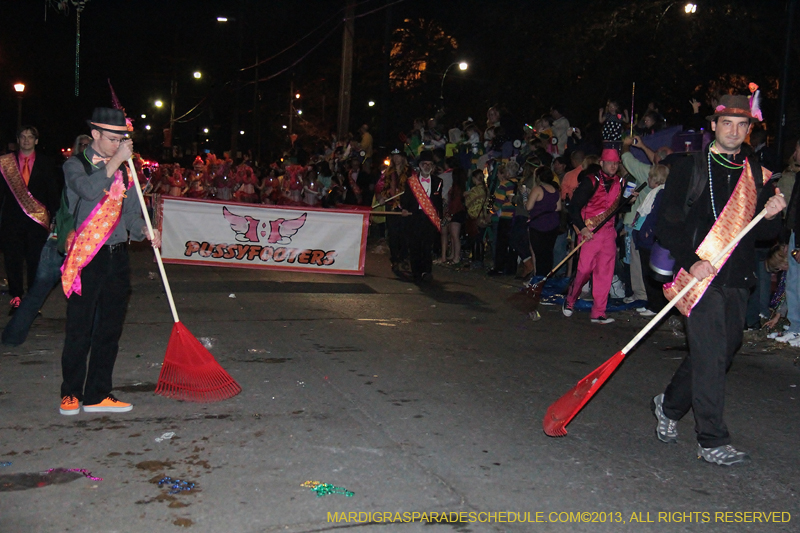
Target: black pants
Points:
(714, 330)
(94, 323)
(543, 243)
(421, 234)
(22, 245)
(396, 233)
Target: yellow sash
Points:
(738, 212)
(16, 184)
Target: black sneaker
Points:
(722, 455)
(667, 429)
(602, 320)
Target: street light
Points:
(462, 65)
(20, 89)
(197, 74)
(690, 8)
(371, 103)
(158, 103)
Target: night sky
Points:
(524, 56)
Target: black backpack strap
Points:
(697, 183)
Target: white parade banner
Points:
(230, 234)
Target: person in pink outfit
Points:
(598, 194)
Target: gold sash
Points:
(738, 212)
(32, 207)
(592, 222)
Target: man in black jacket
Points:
(29, 195)
(716, 179)
(422, 204)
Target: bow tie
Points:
(423, 179)
(96, 159)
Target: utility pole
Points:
(346, 81)
(256, 122)
(291, 105)
(237, 86)
(784, 83)
(385, 89)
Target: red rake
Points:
(189, 371)
(565, 408)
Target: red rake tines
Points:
(565, 408)
(562, 411)
(191, 373)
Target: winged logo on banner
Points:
(282, 230)
(245, 227)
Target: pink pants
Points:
(596, 261)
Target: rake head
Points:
(191, 373)
(565, 408)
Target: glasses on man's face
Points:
(114, 140)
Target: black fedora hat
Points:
(108, 119)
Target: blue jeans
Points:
(48, 275)
(758, 303)
(793, 290)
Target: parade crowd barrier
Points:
(230, 234)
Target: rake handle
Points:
(656, 319)
(152, 235)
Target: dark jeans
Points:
(654, 289)
(714, 330)
(22, 246)
(758, 304)
(47, 276)
(505, 258)
(106, 288)
(519, 237)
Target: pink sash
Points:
(93, 233)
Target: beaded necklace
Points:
(723, 161)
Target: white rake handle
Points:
(152, 235)
(656, 319)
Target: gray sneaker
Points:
(667, 429)
(722, 455)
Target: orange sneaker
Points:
(108, 405)
(70, 406)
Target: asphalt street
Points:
(417, 399)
